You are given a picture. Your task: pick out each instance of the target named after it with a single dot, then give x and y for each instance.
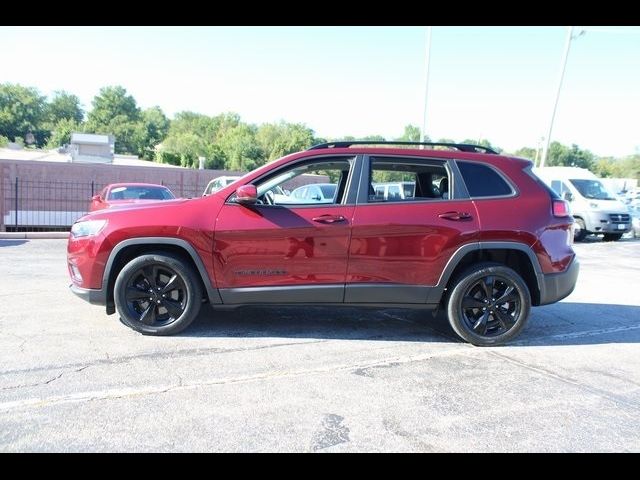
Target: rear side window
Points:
(483, 181)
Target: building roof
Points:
(90, 138)
(54, 156)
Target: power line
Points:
(613, 30)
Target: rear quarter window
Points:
(483, 181)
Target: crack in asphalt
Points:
(567, 380)
(132, 392)
(46, 382)
(191, 352)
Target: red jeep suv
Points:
(408, 225)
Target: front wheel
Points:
(157, 294)
(489, 304)
(612, 237)
(581, 230)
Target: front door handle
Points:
(329, 219)
(455, 215)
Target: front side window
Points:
(308, 183)
(399, 179)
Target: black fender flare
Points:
(212, 292)
(435, 294)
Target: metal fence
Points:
(39, 205)
(35, 205)
(28, 205)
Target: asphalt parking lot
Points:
(317, 379)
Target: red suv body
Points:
(475, 233)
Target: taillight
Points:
(560, 208)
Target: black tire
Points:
(581, 233)
(157, 294)
(612, 237)
(488, 323)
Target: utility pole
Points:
(567, 46)
(423, 132)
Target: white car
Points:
(314, 193)
(218, 184)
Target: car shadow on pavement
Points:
(317, 322)
(558, 324)
(12, 243)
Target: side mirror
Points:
(246, 195)
(96, 198)
(568, 196)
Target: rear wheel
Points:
(580, 231)
(157, 294)
(612, 237)
(489, 304)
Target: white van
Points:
(595, 209)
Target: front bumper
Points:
(95, 297)
(601, 222)
(556, 286)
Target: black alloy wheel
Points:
(491, 305)
(488, 304)
(157, 294)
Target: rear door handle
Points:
(329, 219)
(455, 215)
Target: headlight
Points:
(90, 227)
(593, 205)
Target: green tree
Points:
(372, 138)
(187, 145)
(630, 166)
(561, 155)
(115, 112)
(22, 112)
(526, 152)
(197, 123)
(63, 106)
(411, 134)
(152, 129)
(279, 139)
(192, 135)
(240, 148)
(113, 102)
(483, 143)
(61, 132)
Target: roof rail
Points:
(463, 147)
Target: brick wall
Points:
(59, 187)
(55, 194)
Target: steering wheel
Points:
(269, 198)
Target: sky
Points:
(494, 83)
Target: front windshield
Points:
(593, 189)
(140, 193)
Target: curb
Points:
(33, 235)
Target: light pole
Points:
(538, 146)
(423, 132)
(567, 46)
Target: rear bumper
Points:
(95, 297)
(556, 286)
